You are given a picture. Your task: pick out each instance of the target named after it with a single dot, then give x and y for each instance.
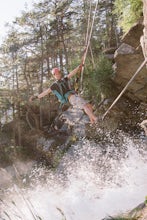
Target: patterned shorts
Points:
(77, 102)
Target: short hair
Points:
(54, 70)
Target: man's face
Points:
(57, 74)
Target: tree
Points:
(53, 33)
(128, 12)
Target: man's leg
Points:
(89, 111)
(144, 126)
(80, 103)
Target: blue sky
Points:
(9, 9)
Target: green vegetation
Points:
(128, 12)
(54, 34)
(97, 83)
(146, 200)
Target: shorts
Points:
(76, 101)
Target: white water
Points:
(92, 181)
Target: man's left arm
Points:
(41, 95)
(74, 72)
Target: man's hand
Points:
(81, 66)
(32, 98)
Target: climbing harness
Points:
(124, 89)
(63, 97)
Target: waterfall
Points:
(93, 180)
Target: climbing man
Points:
(64, 93)
(143, 125)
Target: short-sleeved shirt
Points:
(61, 86)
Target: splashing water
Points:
(92, 181)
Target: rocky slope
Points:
(128, 58)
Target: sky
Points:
(9, 9)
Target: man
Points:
(143, 125)
(64, 93)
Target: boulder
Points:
(128, 58)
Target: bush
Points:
(98, 82)
(128, 12)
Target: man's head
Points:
(56, 73)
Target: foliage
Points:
(53, 33)
(97, 81)
(146, 200)
(128, 12)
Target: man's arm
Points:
(41, 95)
(44, 93)
(74, 72)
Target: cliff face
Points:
(128, 58)
(143, 39)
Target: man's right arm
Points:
(41, 95)
(44, 93)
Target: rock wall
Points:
(128, 58)
(143, 39)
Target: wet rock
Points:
(124, 49)
(5, 179)
(138, 213)
(76, 119)
(128, 58)
(132, 37)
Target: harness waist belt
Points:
(70, 96)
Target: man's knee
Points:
(89, 106)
